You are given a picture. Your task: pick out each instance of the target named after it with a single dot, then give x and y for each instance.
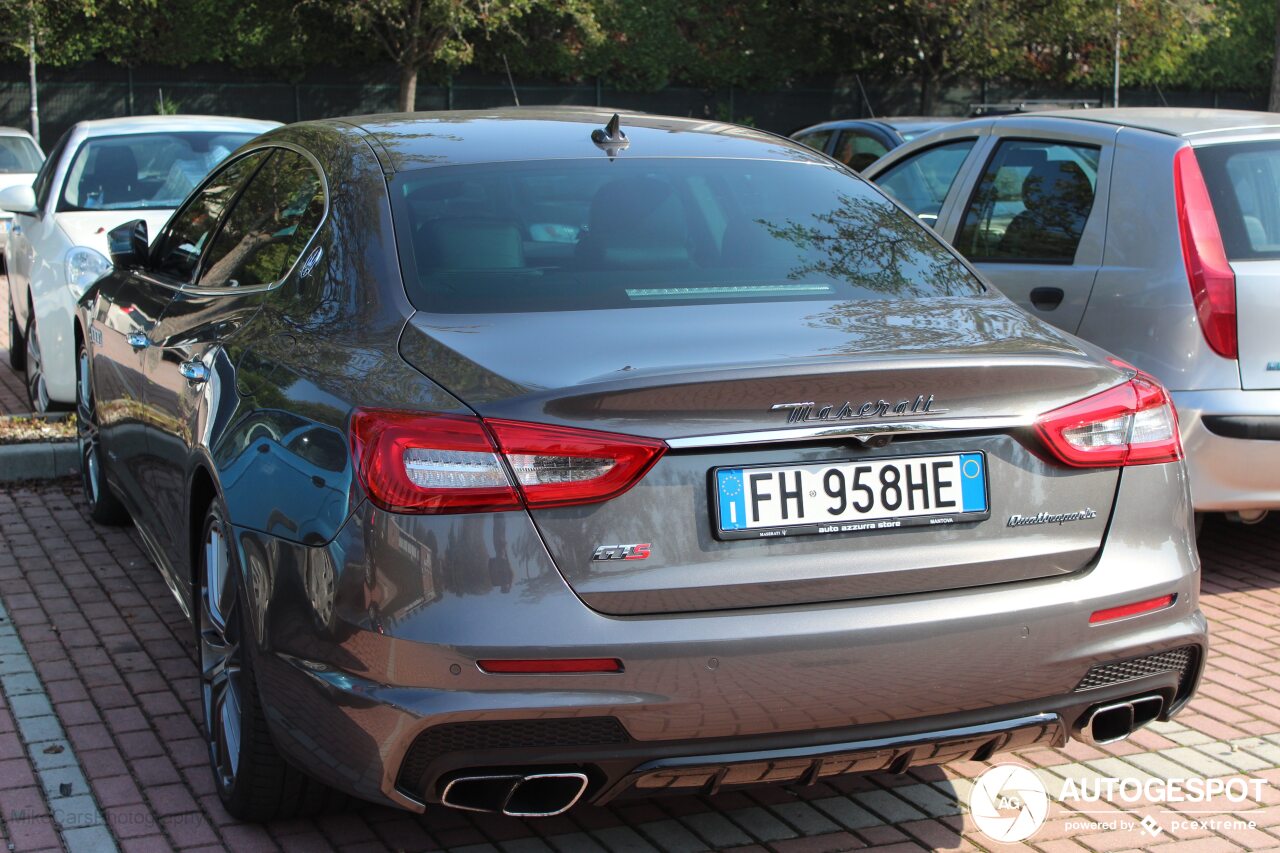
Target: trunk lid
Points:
(944, 376)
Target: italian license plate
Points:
(848, 497)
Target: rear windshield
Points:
(143, 170)
(589, 234)
(19, 154)
(1244, 184)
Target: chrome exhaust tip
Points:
(516, 795)
(545, 794)
(479, 793)
(1116, 721)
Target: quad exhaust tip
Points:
(516, 794)
(1116, 721)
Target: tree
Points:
(928, 39)
(418, 33)
(1274, 101)
(1071, 42)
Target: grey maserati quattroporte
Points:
(514, 459)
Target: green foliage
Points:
(649, 44)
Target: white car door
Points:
(30, 231)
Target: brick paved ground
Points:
(13, 394)
(116, 746)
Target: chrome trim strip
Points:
(860, 430)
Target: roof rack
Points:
(1030, 106)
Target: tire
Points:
(17, 344)
(104, 506)
(37, 392)
(253, 781)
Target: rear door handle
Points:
(138, 340)
(1046, 298)
(194, 372)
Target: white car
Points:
(20, 159)
(99, 175)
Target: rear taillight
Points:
(1130, 424)
(1213, 282)
(431, 463)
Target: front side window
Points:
(635, 233)
(145, 170)
(269, 226)
(858, 150)
(179, 248)
(921, 182)
(44, 179)
(1032, 203)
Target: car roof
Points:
(145, 124)
(894, 122)
(14, 131)
(1173, 121)
(407, 141)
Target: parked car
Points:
(679, 459)
(860, 142)
(20, 159)
(57, 246)
(1153, 233)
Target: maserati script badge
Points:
(801, 412)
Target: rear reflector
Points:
(565, 665)
(1213, 282)
(1130, 424)
(1126, 610)
(423, 462)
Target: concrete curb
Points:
(39, 460)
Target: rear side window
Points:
(921, 182)
(190, 229)
(817, 141)
(1032, 203)
(858, 150)
(1244, 185)
(269, 226)
(588, 234)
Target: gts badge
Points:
(621, 552)
(95, 335)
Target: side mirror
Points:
(127, 243)
(18, 200)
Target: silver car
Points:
(1154, 233)
(513, 459)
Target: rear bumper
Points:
(1232, 442)
(353, 684)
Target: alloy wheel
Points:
(221, 656)
(37, 391)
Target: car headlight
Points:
(84, 267)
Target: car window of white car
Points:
(1032, 203)
(269, 226)
(44, 178)
(921, 182)
(179, 247)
